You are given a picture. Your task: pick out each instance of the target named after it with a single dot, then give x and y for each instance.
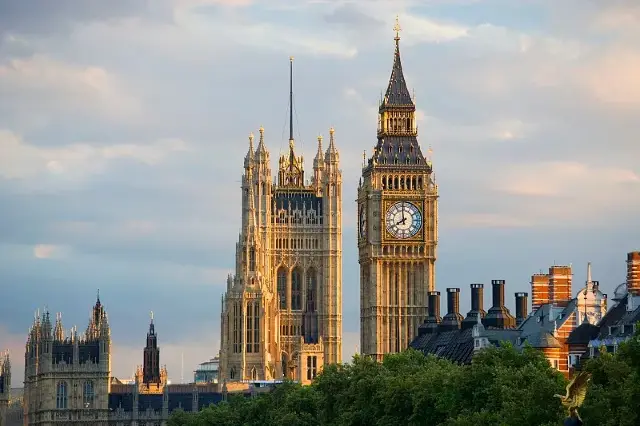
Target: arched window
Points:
(232, 373)
(282, 287)
(88, 394)
(254, 374)
(311, 289)
(252, 259)
(61, 395)
(296, 290)
(256, 327)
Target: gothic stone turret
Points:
(67, 377)
(282, 311)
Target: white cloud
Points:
(41, 86)
(20, 160)
(568, 179)
(485, 220)
(49, 251)
(425, 30)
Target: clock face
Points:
(362, 222)
(403, 220)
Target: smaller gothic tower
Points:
(151, 368)
(67, 373)
(151, 378)
(5, 386)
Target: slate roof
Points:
(458, 345)
(397, 92)
(543, 339)
(583, 334)
(399, 151)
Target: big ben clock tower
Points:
(397, 225)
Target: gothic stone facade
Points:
(66, 378)
(397, 226)
(282, 311)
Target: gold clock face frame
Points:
(403, 220)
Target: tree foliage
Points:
(502, 386)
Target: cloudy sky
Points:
(123, 127)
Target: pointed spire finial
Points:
(588, 272)
(151, 315)
(251, 138)
(332, 131)
(261, 131)
(291, 101)
(98, 296)
(397, 28)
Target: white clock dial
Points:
(403, 220)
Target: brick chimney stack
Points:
(430, 324)
(522, 300)
(633, 273)
(453, 319)
(477, 306)
(560, 285)
(499, 316)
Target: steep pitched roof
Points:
(397, 92)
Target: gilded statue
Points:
(574, 398)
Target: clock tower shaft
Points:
(397, 225)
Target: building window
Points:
(282, 287)
(61, 395)
(556, 364)
(249, 328)
(311, 289)
(254, 374)
(252, 259)
(312, 365)
(256, 327)
(88, 394)
(296, 290)
(237, 322)
(232, 373)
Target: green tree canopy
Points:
(501, 387)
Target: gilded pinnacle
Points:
(261, 130)
(397, 28)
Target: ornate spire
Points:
(331, 156)
(58, 332)
(262, 153)
(248, 159)
(317, 161)
(397, 93)
(291, 173)
(291, 102)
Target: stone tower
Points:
(397, 225)
(66, 378)
(5, 387)
(282, 311)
